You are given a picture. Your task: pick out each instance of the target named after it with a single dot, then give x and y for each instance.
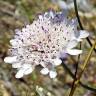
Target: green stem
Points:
(83, 69)
(73, 76)
(76, 71)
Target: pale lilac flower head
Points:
(42, 42)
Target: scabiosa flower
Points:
(42, 42)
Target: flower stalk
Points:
(80, 24)
(83, 69)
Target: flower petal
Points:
(28, 71)
(83, 34)
(15, 42)
(20, 73)
(26, 66)
(52, 74)
(16, 65)
(57, 61)
(63, 54)
(10, 59)
(72, 44)
(74, 51)
(45, 71)
(40, 17)
(63, 4)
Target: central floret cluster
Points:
(43, 42)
